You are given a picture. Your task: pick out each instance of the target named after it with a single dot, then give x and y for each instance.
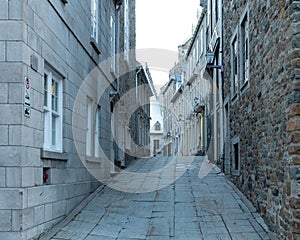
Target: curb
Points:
(267, 234)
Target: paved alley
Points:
(206, 207)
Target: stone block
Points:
(10, 235)
(10, 156)
(39, 215)
(28, 177)
(32, 157)
(15, 135)
(6, 196)
(48, 212)
(5, 220)
(38, 176)
(2, 51)
(38, 100)
(294, 110)
(15, 9)
(11, 114)
(11, 72)
(41, 195)
(12, 30)
(32, 39)
(27, 218)
(35, 121)
(4, 9)
(3, 135)
(59, 209)
(296, 160)
(294, 149)
(14, 51)
(13, 177)
(2, 177)
(15, 93)
(16, 220)
(3, 93)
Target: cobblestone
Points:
(191, 208)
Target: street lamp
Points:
(210, 59)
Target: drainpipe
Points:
(137, 104)
(221, 80)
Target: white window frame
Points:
(113, 43)
(92, 147)
(89, 145)
(201, 41)
(126, 30)
(97, 132)
(53, 135)
(244, 48)
(234, 77)
(94, 19)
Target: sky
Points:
(164, 24)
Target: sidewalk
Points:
(191, 208)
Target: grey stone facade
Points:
(264, 114)
(38, 187)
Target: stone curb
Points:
(53, 231)
(258, 218)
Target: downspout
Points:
(221, 81)
(137, 104)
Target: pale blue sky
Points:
(164, 24)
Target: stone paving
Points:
(209, 208)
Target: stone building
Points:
(156, 138)
(49, 128)
(261, 75)
(197, 94)
(177, 102)
(214, 58)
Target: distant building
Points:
(156, 138)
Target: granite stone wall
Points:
(265, 115)
(58, 35)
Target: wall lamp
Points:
(118, 4)
(113, 93)
(210, 59)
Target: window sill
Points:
(234, 98)
(245, 87)
(113, 73)
(49, 155)
(93, 160)
(236, 172)
(95, 45)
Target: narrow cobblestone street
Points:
(190, 208)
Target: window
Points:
(126, 30)
(94, 19)
(217, 10)
(113, 43)
(234, 66)
(97, 132)
(52, 111)
(89, 128)
(201, 41)
(244, 50)
(92, 128)
(156, 145)
(236, 156)
(157, 127)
